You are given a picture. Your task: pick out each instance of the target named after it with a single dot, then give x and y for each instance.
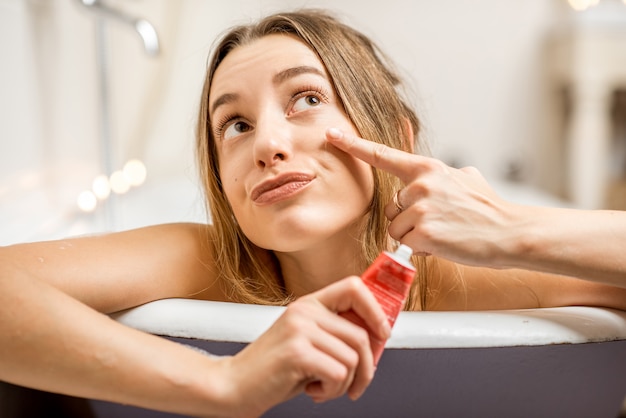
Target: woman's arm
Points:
(454, 214)
(52, 342)
(111, 272)
(53, 337)
(458, 287)
(588, 244)
(55, 343)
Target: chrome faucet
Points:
(150, 40)
(142, 27)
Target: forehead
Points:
(262, 59)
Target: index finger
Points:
(401, 164)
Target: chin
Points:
(288, 240)
(302, 227)
(306, 239)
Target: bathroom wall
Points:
(477, 70)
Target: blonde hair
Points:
(368, 88)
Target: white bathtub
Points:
(558, 362)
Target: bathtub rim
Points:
(197, 319)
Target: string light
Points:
(135, 172)
(118, 182)
(87, 201)
(579, 5)
(101, 187)
(121, 181)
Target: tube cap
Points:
(404, 252)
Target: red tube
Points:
(389, 278)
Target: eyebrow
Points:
(222, 100)
(279, 78)
(284, 75)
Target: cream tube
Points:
(389, 278)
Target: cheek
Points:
(235, 194)
(360, 175)
(231, 172)
(231, 187)
(365, 180)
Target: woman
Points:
(295, 216)
(345, 84)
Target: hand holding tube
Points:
(312, 349)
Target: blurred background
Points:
(98, 100)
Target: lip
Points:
(280, 187)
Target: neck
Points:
(309, 270)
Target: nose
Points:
(272, 142)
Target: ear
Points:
(410, 138)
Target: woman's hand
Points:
(311, 348)
(454, 214)
(448, 212)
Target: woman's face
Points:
(270, 104)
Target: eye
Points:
(234, 129)
(305, 102)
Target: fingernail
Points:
(386, 329)
(334, 133)
(356, 394)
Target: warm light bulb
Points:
(87, 201)
(118, 182)
(579, 5)
(101, 187)
(135, 172)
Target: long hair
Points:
(371, 94)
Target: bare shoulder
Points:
(123, 269)
(456, 287)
